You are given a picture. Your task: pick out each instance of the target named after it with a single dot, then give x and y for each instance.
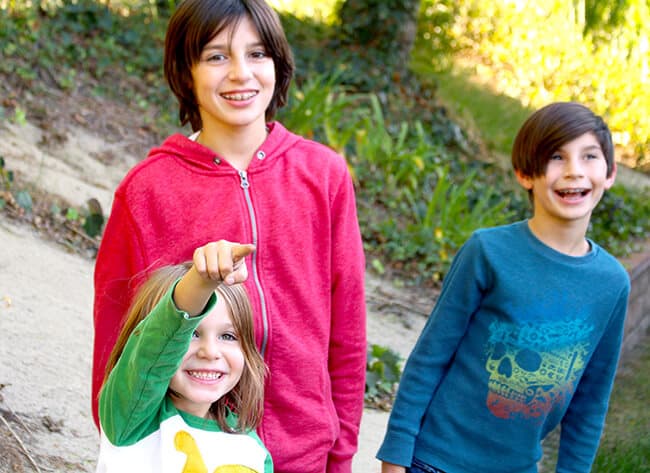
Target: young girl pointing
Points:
(185, 383)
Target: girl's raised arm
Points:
(214, 263)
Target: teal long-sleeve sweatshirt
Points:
(522, 338)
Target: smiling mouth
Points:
(572, 193)
(239, 97)
(205, 375)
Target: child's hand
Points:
(390, 468)
(223, 261)
(214, 263)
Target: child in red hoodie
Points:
(242, 177)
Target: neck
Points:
(235, 145)
(568, 238)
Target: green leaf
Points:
(24, 200)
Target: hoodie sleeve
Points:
(119, 260)
(347, 352)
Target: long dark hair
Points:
(196, 22)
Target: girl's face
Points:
(234, 80)
(212, 366)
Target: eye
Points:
(555, 157)
(259, 54)
(196, 335)
(229, 337)
(215, 57)
(591, 156)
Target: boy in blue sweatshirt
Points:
(527, 330)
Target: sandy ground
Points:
(46, 322)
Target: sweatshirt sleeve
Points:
(120, 258)
(461, 295)
(347, 349)
(135, 390)
(583, 422)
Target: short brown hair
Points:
(549, 128)
(247, 397)
(196, 22)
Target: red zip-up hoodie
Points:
(296, 203)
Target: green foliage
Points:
(377, 35)
(322, 110)
(376, 23)
(60, 44)
(72, 214)
(6, 175)
(631, 457)
(383, 372)
(24, 200)
(621, 220)
(425, 201)
(602, 15)
(453, 212)
(323, 11)
(519, 49)
(625, 446)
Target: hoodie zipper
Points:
(245, 184)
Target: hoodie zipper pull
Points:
(244, 180)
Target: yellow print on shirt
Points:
(534, 368)
(186, 444)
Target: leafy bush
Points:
(621, 220)
(418, 200)
(520, 49)
(67, 44)
(322, 110)
(383, 372)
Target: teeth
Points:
(245, 96)
(207, 375)
(572, 191)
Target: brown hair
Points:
(549, 128)
(247, 397)
(196, 22)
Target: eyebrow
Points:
(222, 47)
(586, 148)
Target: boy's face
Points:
(234, 79)
(573, 184)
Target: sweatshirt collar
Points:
(186, 148)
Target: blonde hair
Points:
(246, 399)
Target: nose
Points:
(573, 167)
(209, 349)
(239, 69)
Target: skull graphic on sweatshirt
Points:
(534, 368)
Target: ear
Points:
(609, 182)
(523, 180)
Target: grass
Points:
(495, 117)
(625, 445)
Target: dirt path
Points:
(46, 352)
(46, 307)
